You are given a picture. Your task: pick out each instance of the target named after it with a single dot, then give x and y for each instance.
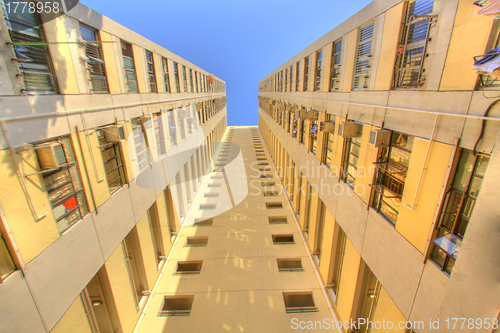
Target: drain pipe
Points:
(315, 266)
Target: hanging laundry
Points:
(489, 62)
(492, 7)
(480, 3)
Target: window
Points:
(363, 55)
(203, 222)
(411, 51)
(62, 181)
(283, 239)
(176, 75)
(111, 157)
(297, 302)
(350, 157)
(94, 60)
(184, 78)
(166, 77)
(158, 132)
(286, 79)
(197, 241)
(274, 205)
(291, 78)
(7, 265)
(313, 133)
(140, 144)
(317, 71)
(191, 80)
(289, 265)
(172, 128)
(277, 220)
(34, 60)
(335, 66)
(297, 77)
(306, 74)
(457, 207)
(189, 267)
(155, 230)
(329, 144)
(135, 265)
(177, 305)
(392, 166)
(128, 67)
(366, 297)
(151, 71)
(268, 184)
(303, 131)
(337, 259)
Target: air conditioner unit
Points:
(327, 126)
(301, 114)
(380, 138)
(114, 133)
(51, 156)
(349, 129)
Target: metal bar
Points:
(21, 174)
(50, 43)
(89, 147)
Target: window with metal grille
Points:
(176, 75)
(485, 79)
(363, 55)
(196, 74)
(30, 51)
(151, 71)
(412, 48)
(392, 165)
(313, 134)
(352, 147)
(62, 181)
(457, 207)
(317, 71)
(158, 129)
(291, 78)
(129, 68)
(297, 77)
(306, 73)
(166, 76)
(184, 78)
(191, 80)
(286, 79)
(329, 144)
(111, 157)
(335, 66)
(94, 60)
(303, 131)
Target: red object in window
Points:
(70, 203)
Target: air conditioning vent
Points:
(349, 130)
(114, 133)
(327, 126)
(52, 156)
(380, 138)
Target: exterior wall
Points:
(438, 113)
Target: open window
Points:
(363, 57)
(129, 67)
(335, 65)
(392, 166)
(94, 60)
(31, 52)
(109, 143)
(151, 71)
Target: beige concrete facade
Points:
(94, 184)
(390, 208)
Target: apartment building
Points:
(389, 123)
(105, 138)
(239, 263)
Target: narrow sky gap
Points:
(239, 41)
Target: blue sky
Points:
(239, 41)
